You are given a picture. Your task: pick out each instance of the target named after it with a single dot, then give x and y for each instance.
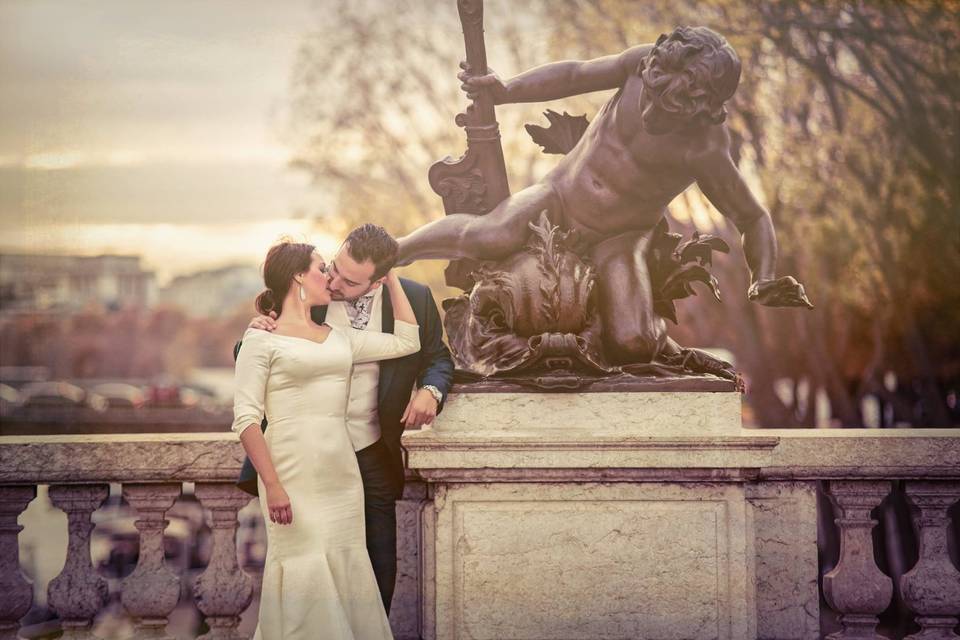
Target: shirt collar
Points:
(368, 296)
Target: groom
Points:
(380, 403)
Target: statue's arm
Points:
(567, 78)
(721, 181)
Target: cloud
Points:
(219, 193)
(53, 161)
(169, 250)
(82, 76)
(135, 112)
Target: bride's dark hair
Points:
(284, 260)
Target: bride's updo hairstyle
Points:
(284, 260)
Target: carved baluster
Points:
(16, 592)
(932, 587)
(151, 592)
(856, 588)
(78, 593)
(223, 591)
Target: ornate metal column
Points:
(477, 181)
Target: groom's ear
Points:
(378, 282)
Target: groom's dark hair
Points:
(372, 242)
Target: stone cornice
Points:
(478, 456)
(863, 453)
(185, 457)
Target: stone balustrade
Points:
(857, 467)
(152, 469)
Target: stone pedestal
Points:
(609, 515)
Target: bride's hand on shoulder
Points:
(278, 504)
(265, 323)
(401, 304)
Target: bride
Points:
(318, 581)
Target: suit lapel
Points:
(387, 367)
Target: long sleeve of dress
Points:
(250, 380)
(368, 346)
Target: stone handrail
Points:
(152, 469)
(858, 463)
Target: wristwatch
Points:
(434, 392)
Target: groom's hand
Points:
(421, 410)
(266, 323)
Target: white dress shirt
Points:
(363, 419)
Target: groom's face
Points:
(350, 279)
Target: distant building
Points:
(31, 282)
(215, 292)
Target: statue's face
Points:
(687, 78)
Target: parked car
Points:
(170, 393)
(121, 395)
(198, 395)
(9, 398)
(164, 391)
(60, 395)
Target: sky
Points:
(151, 128)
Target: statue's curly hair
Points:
(693, 71)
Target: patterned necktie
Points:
(360, 309)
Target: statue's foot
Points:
(699, 361)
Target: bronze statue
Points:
(662, 131)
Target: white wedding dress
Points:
(317, 581)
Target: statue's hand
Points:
(782, 292)
(472, 84)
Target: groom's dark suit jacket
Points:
(431, 365)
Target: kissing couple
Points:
(342, 357)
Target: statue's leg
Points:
(492, 236)
(632, 332)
